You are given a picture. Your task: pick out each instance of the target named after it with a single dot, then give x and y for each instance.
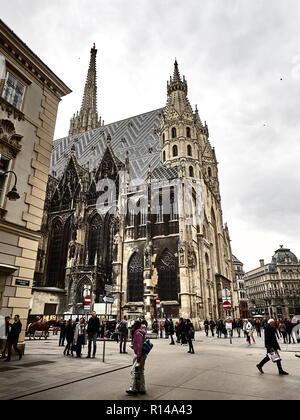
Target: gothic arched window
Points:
(94, 238)
(189, 150)
(175, 150)
(58, 250)
(191, 171)
(164, 156)
(135, 279)
(209, 171)
(168, 285)
(188, 132)
(174, 133)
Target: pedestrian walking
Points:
(123, 334)
(166, 328)
(190, 335)
(79, 337)
(137, 382)
(7, 327)
(258, 327)
(155, 326)
(93, 331)
(206, 327)
(272, 347)
(220, 327)
(171, 331)
(161, 329)
(182, 331)
(246, 328)
(289, 330)
(282, 330)
(69, 337)
(13, 338)
(62, 335)
(212, 325)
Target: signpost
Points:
(227, 305)
(109, 300)
(87, 303)
(158, 309)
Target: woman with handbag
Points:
(79, 337)
(272, 347)
(137, 383)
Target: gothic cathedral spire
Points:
(87, 118)
(180, 129)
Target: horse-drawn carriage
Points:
(39, 328)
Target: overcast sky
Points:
(241, 59)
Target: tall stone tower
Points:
(181, 129)
(87, 118)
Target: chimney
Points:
(262, 262)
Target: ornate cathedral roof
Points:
(139, 136)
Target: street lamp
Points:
(12, 195)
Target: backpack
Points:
(147, 346)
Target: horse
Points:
(39, 326)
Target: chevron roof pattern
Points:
(139, 136)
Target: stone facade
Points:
(29, 98)
(273, 289)
(143, 245)
(240, 285)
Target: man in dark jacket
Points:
(171, 331)
(271, 345)
(123, 331)
(93, 330)
(206, 327)
(212, 327)
(13, 338)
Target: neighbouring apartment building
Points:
(240, 287)
(29, 96)
(273, 289)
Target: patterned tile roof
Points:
(138, 135)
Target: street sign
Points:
(87, 300)
(108, 287)
(227, 305)
(108, 299)
(157, 301)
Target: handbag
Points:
(147, 346)
(74, 347)
(274, 356)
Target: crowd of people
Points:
(247, 327)
(75, 334)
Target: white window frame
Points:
(13, 95)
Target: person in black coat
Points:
(171, 331)
(70, 337)
(212, 325)
(206, 327)
(93, 330)
(271, 345)
(190, 334)
(13, 338)
(62, 335)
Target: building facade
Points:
(29, 96)
(240, 286)
(274, 289)
(116, 214)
